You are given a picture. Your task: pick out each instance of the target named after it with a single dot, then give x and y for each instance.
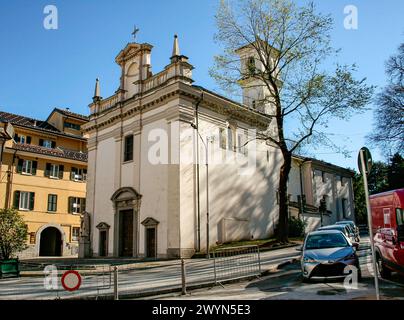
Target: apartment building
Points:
(43, 175)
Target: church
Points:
(175, 169)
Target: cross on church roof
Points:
(135, 31)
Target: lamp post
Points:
(193, 125)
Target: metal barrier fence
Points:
(236, 262)
(136, 279)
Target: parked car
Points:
(326, 254)
(353, 227)
(345, 229)
(388, 228)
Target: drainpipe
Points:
(9, 182)
(197, 174)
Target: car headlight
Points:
(350, 256)
(309, 259)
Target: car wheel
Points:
(383, 270)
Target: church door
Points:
(103, 243)
(126, 233)
(151, 242)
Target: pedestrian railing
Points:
(138, 279)
(236, 262)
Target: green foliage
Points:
(13, 233)
(296, 227)
(383, 177)
(395, 172)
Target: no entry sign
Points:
(71, 280)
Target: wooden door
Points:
(151, 242)
(126, 234)
(103, 243)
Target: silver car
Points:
(353, 227)
(344, 228)
(326, 255)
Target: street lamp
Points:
(193, 125)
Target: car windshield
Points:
(325, 240)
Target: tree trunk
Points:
(283, 226)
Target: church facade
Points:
(174, 168)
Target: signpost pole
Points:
(365, 184)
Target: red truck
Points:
(388, 229)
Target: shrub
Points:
(13, 233)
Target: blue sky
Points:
(41, 69)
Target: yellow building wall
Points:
(42, 186)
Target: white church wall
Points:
(104, 188)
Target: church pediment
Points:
(125, 193)
(150, 222)
(103, 225)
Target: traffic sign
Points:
(367, 158)
(71, 280)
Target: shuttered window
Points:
(24, 200)
(77, 205)
(52, 202)
(27, 166)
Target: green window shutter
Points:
(16, 138)
(16, 203)
(31, 200)
(61, 169)
(70, 208)
(53, 144)
(83, 204)
(28, 140)
(34, 167)
(55, 203)
(47, 170)
(41, 142)
(19, 165)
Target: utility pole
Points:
(365, 169)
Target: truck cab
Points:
(388, 229)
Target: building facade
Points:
(312, 181)
(43, 175)
(150, 190)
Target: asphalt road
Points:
(286, 284)
(143, 277)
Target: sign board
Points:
(71, 280)
(367, 157)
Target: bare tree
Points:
(290, 43)
(389, 115)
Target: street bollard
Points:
(116, 297)
(183, 275)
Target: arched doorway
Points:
(126, 202)
(51, 242)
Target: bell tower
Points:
(135, 63)
(256, 94)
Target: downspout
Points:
(94, 193)
(197, 173)
(9, 182)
